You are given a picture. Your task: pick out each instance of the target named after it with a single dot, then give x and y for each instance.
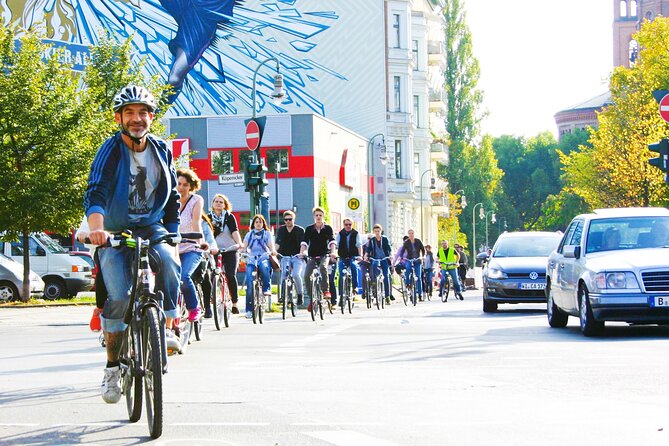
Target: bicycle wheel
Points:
(153, 371)
(183, 325)
(345, 288)
(447, 290)
(349, 303)
(320, 308)
(217, 302)
(197, 325)
(377, 298)
(130, 383)
(414, 291)
(380, 292)
(284, 293)
(261, 307)
(227, 303)
(292, 294)
(256, 290)
(368, 293)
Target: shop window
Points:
(274, 156)
(221, 162)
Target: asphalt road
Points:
(436, 374)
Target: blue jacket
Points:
(107, 191)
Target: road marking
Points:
(112, 424)
(345, 438)
(343, 423)
(231, 423)
(19, 424)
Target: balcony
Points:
(401, 189)
(439, 152)
(438, 101)
(436, 54)
(440, 206)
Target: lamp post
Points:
(463, 204)
(481, 215)
(499, 225)
(383, 157)
(259, 197)
(432, 187)
(493, 220)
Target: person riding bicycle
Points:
(448, 257)
(463, 263)
(132, 185)
(428, 269)
(412, 249)
(258, 243)
(377, 248)
(349, 247)
(318, 242)
(288, 243)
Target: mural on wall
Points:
(207, 49)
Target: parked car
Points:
(87, 256)
(515, 270)
(64, 275)
(611, 265)
(11, 280)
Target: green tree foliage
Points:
(323, 198)
(615, 171)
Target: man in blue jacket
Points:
(131, 185)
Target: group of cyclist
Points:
(134, 186)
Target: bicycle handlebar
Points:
(125, 239)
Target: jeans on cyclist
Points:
(264, 269)
(417, 270)
(354, 273)
(298, 271)
(385, 267)
(454, 278)
(117, 266)
(428, 274)
(190, 261)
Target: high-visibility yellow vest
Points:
(447, 257)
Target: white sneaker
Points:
(110, 389)
(172, 342)
(249, 315)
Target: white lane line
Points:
(343, 423)
(347, 438)
(113, 424)
(19, 424)
(325, 334)
(231, 423)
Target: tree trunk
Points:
(25, 244)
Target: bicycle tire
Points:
(261, 308)
(183, 325)
(404, 291)
(380, 292)
(284, 294)
(197, 325)
(293, 299)
(447, 290)
(414, 290)
(153, 371)
(368, 291)
(377, 300)
(344, 292)
(320, 308)
(130, 383)
(217, 303)
(349, 303)
(227, 303)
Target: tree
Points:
(614, 172)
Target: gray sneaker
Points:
(110, 389)
(172, 342)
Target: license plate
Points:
(659, 301)
(532, 286)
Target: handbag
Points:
(274, 261)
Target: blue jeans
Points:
(189, 262)
(385, 267)
(298, 271)
(265, 271)
(429, 275)
(454, 277)
(117, 266)
(354, 273)
(416, 269)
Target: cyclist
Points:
(379, 247)
(191, 255)
(288, 242)
(349, 248)
(428, 269)
(258, 242)
(411, 249)
(131, 185)
(448, 257)
(206, 268)
(463, 261)
(227, 234)
(318, 242)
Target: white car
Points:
(611, 265)
(11, 280)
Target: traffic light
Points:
(254, 176)
(662, 161)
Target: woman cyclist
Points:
(258, 243)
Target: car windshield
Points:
(527, 246)
(50, 244)
(610, 234)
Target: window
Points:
(221, 162)
(398, 158)
(414, 54)
(633, 8)
(397, 93)
(416, 168)
(277, 155)
(623, 8)
(576, 237)
(396, 30)
(245, 156)
(416, 111)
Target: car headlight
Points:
(494, 273)
(616, 280)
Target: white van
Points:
(63, 275)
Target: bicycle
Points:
(258, 294)
(221, 301)
(427, 285)
(288, 289)
(448, 282)
(143, 352)
(376, 287)
(411, 289)
(316, 291)
(346, 278)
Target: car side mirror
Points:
(39, 251)
(572, 252)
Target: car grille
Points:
(656, 281)
(526, 275)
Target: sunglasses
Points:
(348, 224)
(287, 219)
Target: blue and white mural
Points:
(209, 49)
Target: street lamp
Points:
(463, 204)
(260, 199)
(493, 220)
(383, 157)
(432, 187)
(481, 215)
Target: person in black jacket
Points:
(349, 248)
(379, 247)
(288, 242)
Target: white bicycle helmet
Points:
(134, 94)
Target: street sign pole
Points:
(259, 198)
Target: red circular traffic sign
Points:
(664, 107)
(252, 135)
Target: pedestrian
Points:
(318, 243)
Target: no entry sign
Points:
(664, 107)
(252, 135)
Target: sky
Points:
(539, 57)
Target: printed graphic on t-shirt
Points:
(143, 181)
(137, 203)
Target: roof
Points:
(630, 212)
(592, 103)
